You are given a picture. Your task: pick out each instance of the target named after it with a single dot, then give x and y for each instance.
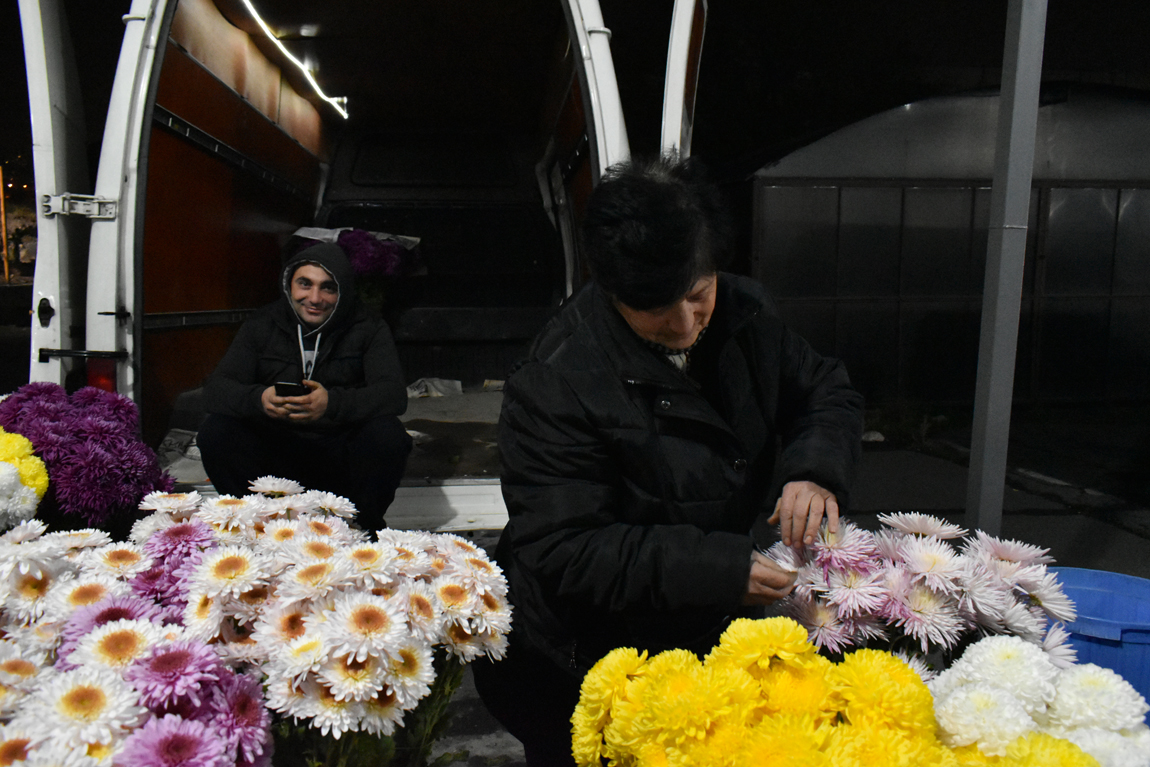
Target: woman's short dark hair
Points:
(653, 228)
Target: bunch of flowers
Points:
(89, 442)
(23, 480)
(372, 254)
(212, 598)
(765, 697)
(1003, 688)
(910, 588)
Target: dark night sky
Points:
(775, 75)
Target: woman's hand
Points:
(768, 581)
(799, 512)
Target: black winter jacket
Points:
(632, 488)
(356, 362)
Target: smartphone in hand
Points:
(290, 389)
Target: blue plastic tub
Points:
(1113, 626)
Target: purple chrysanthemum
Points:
(369, 255)
(89, 617)
(171, 672)
(109, 406)
(174, 742)
(159, 584)
(180, 540)
(240, 713)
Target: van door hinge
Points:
(87, 205)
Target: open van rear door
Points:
(61, 176)
(684, 52)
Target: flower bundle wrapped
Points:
(908, 586)
(1003, 688)
(765, 697)
(212, 600)
(23, 480)
(97, 465)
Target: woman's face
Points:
(676, 326)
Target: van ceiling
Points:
(436, 65)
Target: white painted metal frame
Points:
(112, 254)
(675, 136)
(594, 41)
(59, 166)
(1005, 259)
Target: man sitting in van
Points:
(310, 390)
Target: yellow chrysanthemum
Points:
(783, 741)
(604, 683)
(972, 756)
(878, 688)
(17, 450)
(878, 746)
(753, 644)
(803, 689)
(1037, 749)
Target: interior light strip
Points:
(337, 103)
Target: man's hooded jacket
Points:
(355, 356)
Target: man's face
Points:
(676, 326)
(314, 294)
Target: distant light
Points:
(338, 103)
(309, 30)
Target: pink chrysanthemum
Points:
(171, 672)
(914, 523)
(930, 617)
(238, 703)
(180, 540)
(932, 562)
(822, 623)
(851, 548)
(84, 619)
(856, 593)
(1010, 551)
(175, 742)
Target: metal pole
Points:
(1005, 258)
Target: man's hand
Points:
(274, 405)
(767, 582)
(799, 512)
(309, 407)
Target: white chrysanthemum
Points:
(179, 505)
(412, 562)
(1045, 591)
(1024, 621)
(985, 596)
(328, 714)
(280, 622)
(331, 504)
(116, 644)
(410, 673)
(20, 667)
(283, 695)
(1012, 664)
(289, 506)
(371, 563)
(81, 591)
(145, 528)
(76, 540)
(457, 601)
(274, 487)
(231, 514)
(382, 714)
(1057, 646)
(478, 573)
(351, 679)
(1111, 749)
(28, 530)
(28, 593)
(301, 656)
(785, 557)
(493, 614)
(1091, 696)
(421, 609)
(11, 700)
(306, 549)
(930, 617)
(88, 705)
(932, 562)
(275, 538)
(811, 581)
(984, 714)
(888, 542)
(494, 644)
(914, 523)
(248, 606)
(1007, 550)
(467, 645)
(313, 581)
(41, 636)
(17, 743)
(122, 560)
(363, 624)
(230, 570)
(856, 593)
(332, 529)
(203, 616)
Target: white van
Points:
(478, 127)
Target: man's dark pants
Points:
(363, 462)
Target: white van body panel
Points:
(688, 21)
(112, 254)
(60, 167)
(611, 145)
